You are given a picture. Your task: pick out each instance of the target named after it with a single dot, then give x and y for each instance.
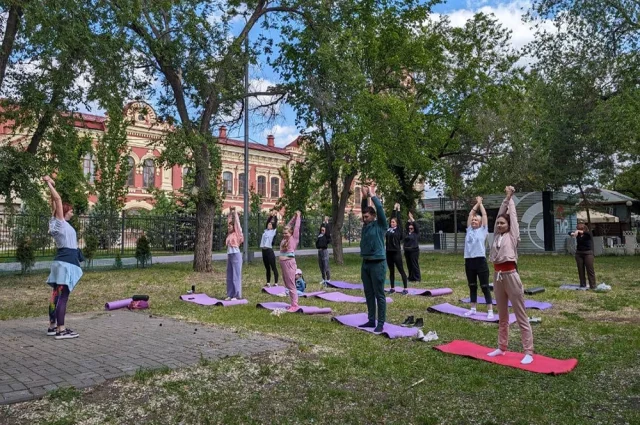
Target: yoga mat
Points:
(389, 330)
(527, 303)
(339, 297)
(311, 294)
(533, 291)
(541, 364)
(426, 292)
(302, 309)
(204, 299)
(274, 290)
(114, 305)
(345, 285)
(573, 287)
(459, 311)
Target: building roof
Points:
(252, 145)
(605, 196)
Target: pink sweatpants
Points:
(289, 266)
(507, 286)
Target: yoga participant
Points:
(475, 261)
(65, 268)
(412, 250)
(507, 285)
(584, 255)
(394, 249)
(290, 238)
(322, 242)
(266, 244)
(235, 238)
(372, 252)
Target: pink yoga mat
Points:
(114, 305)
(345, 285)
(204, 299)
(425, 292)
(339, 297)
(304, 309)
(389, 330)
(541, 364)
(527, 303)
(459, 311)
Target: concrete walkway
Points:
(111, 345)
(188, 258)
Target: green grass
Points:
(333, 374)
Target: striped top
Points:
(63, 234)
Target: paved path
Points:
(111, 345)
(108, 262)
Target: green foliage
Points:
(143, 251)
(25, 253)
(92, 243)
(297, 187)
(117, 264)
(104, 226)
(64, 394)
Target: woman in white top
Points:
(65, 268)
(475, 260)
(266, 244)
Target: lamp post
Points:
(246, 153)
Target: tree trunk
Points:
(585, 201)
(205, 209)
(338, 206)
(13, 23)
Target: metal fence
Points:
(166, 234)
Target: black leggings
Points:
(477, 268)
(269, 260)
(394, 259)
(413, 264)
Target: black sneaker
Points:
(51, 331)
(379, 328)
(419, 322)
(66, 334)
(408, 321)
(405, 291)
(369, 324)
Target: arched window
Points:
(227, 180)
(358, 196)
(149, 173)
(241, 182)
(131, 180)
(275, 187)
(262, 186)
(89, 168)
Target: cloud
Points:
(283, 134)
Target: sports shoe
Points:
(490, 314)
(268, 285)
(51, 331)
(368, 325)
(390, 290)
(409, 321)
(420, 334)
(233, 299)
(379, 328)
(430, 336)
(275, 284)
(292, 309)
(405, 291)
(419, 322)
(470, 312)
(66, 334)
(228, 299)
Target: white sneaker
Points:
(228, 299)
(268, 285)
(528, 359)
(420, 334)
(233, 299)
(470, 312)
(430, 336)
(496, 353)
(490, 314)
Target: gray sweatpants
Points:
(323, 262)
(234, 275)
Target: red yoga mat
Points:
(541, 364)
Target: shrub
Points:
(143, 251)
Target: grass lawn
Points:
(333, 374)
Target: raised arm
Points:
(485, 219)
(56, 200)
(514, 226)
(381, 217)
(237, 228)
(271, 219)
(473, 212)
(364, 199)
(503, 206)
(295, 225)
(412, 222)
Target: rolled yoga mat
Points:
(345, 285)
(140, 297)
(573, 287)
(339, 297)
(114, 305)
(281, 290)
(425, 292)
(204, 299)
(304, 309)
(527, 303)
(541, 364)
(389, 330)
(533, 291)
(459, 311)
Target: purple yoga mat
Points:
(426, 292)
(311, 294)
(339, 297)
(304, 309)
(389, 330)
(345, 285)
(274, 290)
(204, 299)
(114, 305)
(459, 311)
(527, 303)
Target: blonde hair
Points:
(285, 240)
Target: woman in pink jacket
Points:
(234, 257)
(507, 285)
(290, 238)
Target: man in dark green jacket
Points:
(374, 265)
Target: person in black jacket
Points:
(584, 255)
(412, 250)
(394, 238)
(322, 242)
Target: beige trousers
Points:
(507, 286)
